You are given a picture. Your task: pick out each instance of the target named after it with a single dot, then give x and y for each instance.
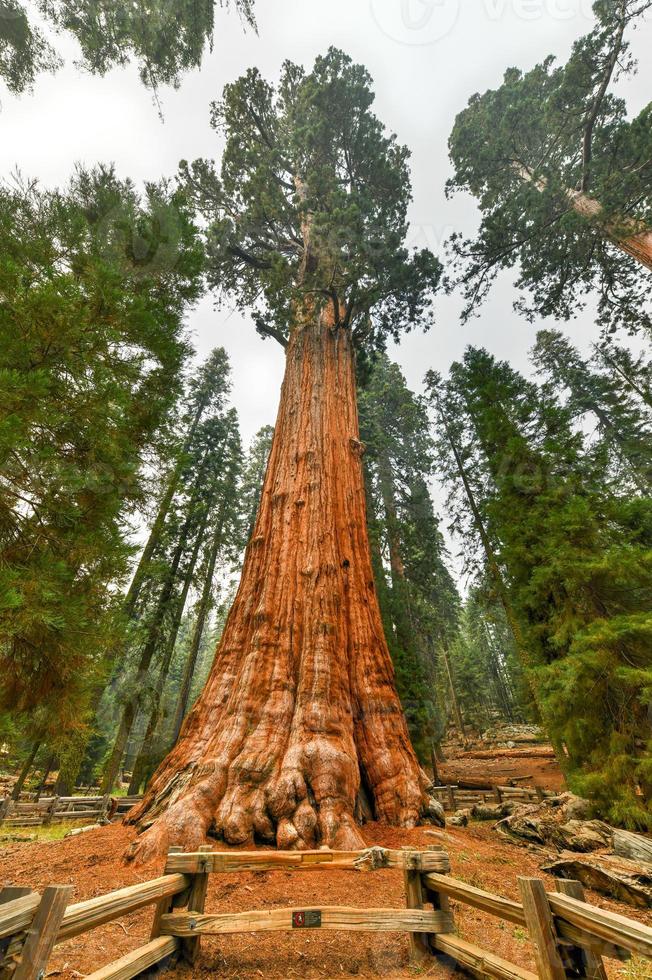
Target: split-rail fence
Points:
(58, 809)
(569, 936)
(459, 798)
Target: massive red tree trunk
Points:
(300, 709)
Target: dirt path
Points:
(92, 862)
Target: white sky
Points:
(426, 58)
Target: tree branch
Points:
(251, 260)
(266, 330)
(591, 118)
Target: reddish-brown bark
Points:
(300, 707)
(628, 234)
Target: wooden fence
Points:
(456, 798)
(569, 936)
(54, 809)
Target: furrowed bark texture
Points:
(300, 707)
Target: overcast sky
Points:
(426, 58)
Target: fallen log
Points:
(534, 752)
(450, 775)
(615, 876)
(488, 811)
(632, 846)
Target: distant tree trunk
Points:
(300, 706)
(502, 687)
(150, 646)
(140, 574)
(49, 766)
(433, 762)
(64, 785)
(156, 529)
(400, 599)
(143, 759)
(501, 588)
(459, 720)
(492, 563)
(24, 772)
(202, 612)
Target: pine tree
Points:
(562, 178)
(187, 535)
(225, 528)
(484, 658)
(206, 394)
(577, 558)
(96, 282)
(463, 471)
(420, 602)
(634, 372)
(254, 475)
(306, 224)
(624, 425)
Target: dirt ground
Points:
(539, 771)
(93, 863)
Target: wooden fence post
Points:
(440, 903)
(196, 903)
(419, 943)
(541, 926)
(4, 808)
(104, 808)
(582, 962)
(438, 900)
(451, 798)
(10, 944)
(42, 934)
(49, 813)
(164, 905)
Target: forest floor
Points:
(93, 863)
(499, 770)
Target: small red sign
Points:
(306, 919)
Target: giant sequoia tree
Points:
(563, 178)
(300, 711)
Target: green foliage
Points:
(311, 204)
(165, 39)
(485, 665)
(596, 395)
(253, 476)
(418, 598)
(527, 148)
(575, 553)
(24, 51)
(95, 282)
(199, 531)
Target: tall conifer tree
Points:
(306, 222)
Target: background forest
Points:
(508, 506)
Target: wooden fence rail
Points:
(569, 936)
(454, 798)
